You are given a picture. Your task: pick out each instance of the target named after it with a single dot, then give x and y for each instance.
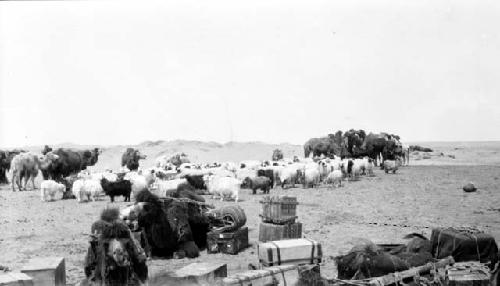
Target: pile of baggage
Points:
(228, 231)
(279, 219)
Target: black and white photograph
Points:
(249, 143)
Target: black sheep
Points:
(261, 182)
(267, 173)
(118, 188)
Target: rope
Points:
(283, 275)
(477, 247)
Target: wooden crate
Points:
(291, 251)
(193, 274)
(15, 279)
(276, 275)
(227, 242)
(279, 209)
(467, 274)
(46, 271)
(270, 232)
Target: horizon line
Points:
(159, 141)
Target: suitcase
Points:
(467, 274)
(270, 232)
(227, 242)
(291, 251)
(279, 209)
(276, 275)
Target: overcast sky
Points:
(109, 72)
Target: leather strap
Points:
(278, 254)
(312, 249)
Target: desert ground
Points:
(383, 208)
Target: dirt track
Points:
(381, 208)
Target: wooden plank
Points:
(15, 279)
(282, 275)
(193, 274)
(394, 278)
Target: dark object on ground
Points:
(420, 148)
(469, 188)
(227, 218)
(464, 245)
(227, 242)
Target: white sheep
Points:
(288, 175)
(161, 187)
(139, 182)
(51, 190)
(335, 178)
(224, 187)
(311, 176)
(86, 190)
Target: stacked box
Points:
(228, 235)
(467, 274)
(279, 209)
(269, 231)
(46, 271)
(292, 251)
(279, 214)
(227, 242)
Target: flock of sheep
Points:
(223, 180)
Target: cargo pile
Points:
(279, 215)
(229, 234)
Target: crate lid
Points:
(14, 276)
(42, 263)
(279, 200)
(467, 271)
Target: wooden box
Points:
(291, 251)
(193, 274)
(276, 275)
(467, 274)
(227, 242)
(270, 232)
(279, 209)
(15, 279)
(46, 271)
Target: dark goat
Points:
(118, 188)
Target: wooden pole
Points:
(393, 278)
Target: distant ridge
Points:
(466, 153)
